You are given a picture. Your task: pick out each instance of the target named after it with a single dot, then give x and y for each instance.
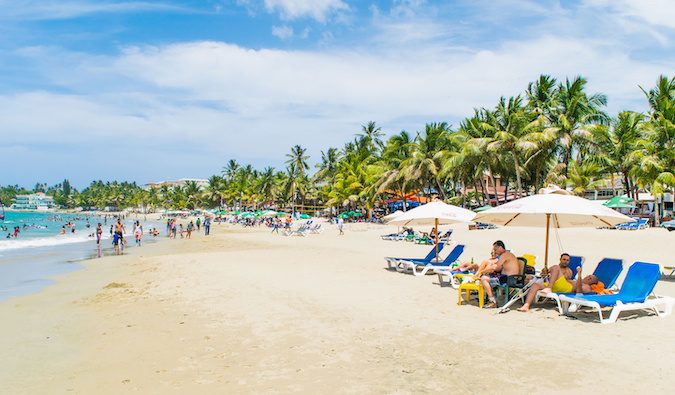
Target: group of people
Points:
(17, 230)
(172, 227)
(495, 270)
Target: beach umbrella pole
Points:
(436, 230)
(548, 219)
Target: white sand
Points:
(246, 311)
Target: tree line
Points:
(555, 132)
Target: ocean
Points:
(40, 251)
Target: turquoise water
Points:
(40, 251)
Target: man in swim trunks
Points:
(507, 265)
(560, 281)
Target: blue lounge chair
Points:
(607, 272)
(431, 255)
(634, 294)
(412, 265)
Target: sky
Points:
(152, 90)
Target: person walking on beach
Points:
(341, 224)
(174, 225)
(198, 223)
(138, 232)
(207, 226)
(189, 230)
(119, 230)
(99, 233)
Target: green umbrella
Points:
(478, 210)
(305, 216)
(618, 202)
(357, 214)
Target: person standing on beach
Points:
(207, 226)
(138, 232)
(174, 225)
(99, 233)
(341, 224)
(198, 223)
(189, 230)
(119, 231)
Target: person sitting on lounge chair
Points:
(560, 281)
(507, 265)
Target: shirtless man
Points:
(560, 281)
(507, 265)
(119, 230)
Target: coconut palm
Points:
(429, 150)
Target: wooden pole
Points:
(548, 218)
(436, 238)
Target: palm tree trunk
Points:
(494, 185)
(440, 189)
(464, 194)
(515, 162)
(482, 190)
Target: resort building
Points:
(201, 183)
(37, 201)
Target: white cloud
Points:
(316, 9)
(54, 9)
(217, 98)
(653, 12)
(283, 32)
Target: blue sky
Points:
(149, 90)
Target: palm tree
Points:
(584, 175)
(428, 155)
(510, 126)
(617, 144)
(297, 164)
(574, 114)
(230, 171)
(388, 168)
(478, 134)
(371, 137)
(328, 167)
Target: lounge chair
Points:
(516, 281)
(607, 272)
(431, 255)
(634, 295)
(640, 224)
(412, 265)
(301, 231)
(316, 229)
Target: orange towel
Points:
(599, 288)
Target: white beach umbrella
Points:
(556, 209)
(434, 213)
(393, 215)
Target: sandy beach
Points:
(243, 311)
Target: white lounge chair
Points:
(636, 294)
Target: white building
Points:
(36, 201)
